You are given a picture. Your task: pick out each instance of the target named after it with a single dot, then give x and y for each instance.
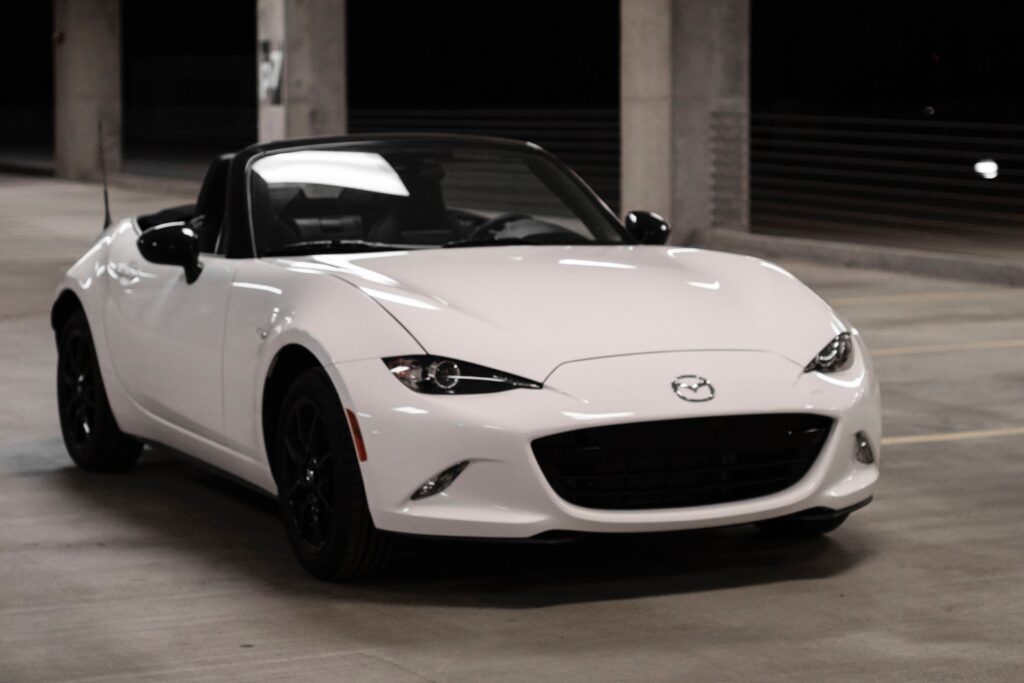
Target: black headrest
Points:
(212, 200)
(272, 230)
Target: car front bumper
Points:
(411, 437)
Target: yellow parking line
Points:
(951, 436)
(925, 296)
(945, 348)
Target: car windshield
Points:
(378, 197)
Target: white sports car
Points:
(453, 336)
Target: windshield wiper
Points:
(331, 246)
(488, 242)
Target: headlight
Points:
(436, 375)
(837, 355)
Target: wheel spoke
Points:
(317, 523)
(308, 475)
(72, 407)
(294, 454)
(79, 418)
(323, 500)
(297, 500)
(79, 355)
(293, 489)
(66, 375)
(321, 461)
(312, 431)
(85, 423)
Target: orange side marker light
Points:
(357, 435)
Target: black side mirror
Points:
(173, 244)
(647, 227)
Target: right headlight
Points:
(437, 375)
(837, 355)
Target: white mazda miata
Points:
(453, 336)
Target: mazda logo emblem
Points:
(693, 388)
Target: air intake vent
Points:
(681, 463)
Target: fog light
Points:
(435, 485)
(863, 452)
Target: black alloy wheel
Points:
(77, 377)
(90, 431)
(320, 486)
(309, 470)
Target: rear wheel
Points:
(320, 488)
(794, 527)
(90, 431)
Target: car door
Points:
(166, 335)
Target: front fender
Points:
(275, 304)
(88, 281)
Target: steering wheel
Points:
(493, 225)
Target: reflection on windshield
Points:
(355, 170)
(418, 196)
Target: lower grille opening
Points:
(681, 463)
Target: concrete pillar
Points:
(87, 86)
(686, 111)
(646, 93)
(302, 68)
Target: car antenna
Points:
(103, 175)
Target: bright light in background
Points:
(987, 169)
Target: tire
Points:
(91, 435)
(320, 488)
(794, 527)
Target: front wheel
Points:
(90, 431)
(320, 487)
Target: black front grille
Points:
(681, 463)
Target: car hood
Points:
(528, 309)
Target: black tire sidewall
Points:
(107, 448)
(352, 525)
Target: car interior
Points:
(287, 213)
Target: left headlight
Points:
(437, 375)
(837, 355)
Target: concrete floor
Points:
(169, 573)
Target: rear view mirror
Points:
(647, 227)
(172, 244)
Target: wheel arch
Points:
(288, 362)
(63, 308)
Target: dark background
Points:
(530, 53)
(864, 115)
(189, 73)
(26, 96)
(879, 59)
(891, 59)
